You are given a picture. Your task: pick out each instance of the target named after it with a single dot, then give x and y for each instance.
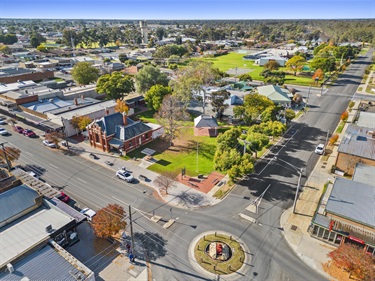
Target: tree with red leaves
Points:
(109, 221)
(354, 260)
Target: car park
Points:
(88, 213)
(319, 149)
(29, 133)
(63, 197)
(18, 129)
(126, 176)
(49, 144)
(3, 132)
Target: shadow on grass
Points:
(163, 162)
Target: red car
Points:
(29, 133)
(63, 197)
(18, 129)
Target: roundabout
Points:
(219, 253)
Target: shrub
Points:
(351, 104)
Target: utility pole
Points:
(131, 231)
(64, 132)
(6, 156)
(307, 99)
(296, 196)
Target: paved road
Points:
(271, 258)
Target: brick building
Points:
(205, 125)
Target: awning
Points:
(116, 143)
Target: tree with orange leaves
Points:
(109, 221)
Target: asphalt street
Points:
(271, 258)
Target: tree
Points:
(109, 221)
(217, 102)
(123, 57)
(295, 64)
(5, 50)
(271, 65)
(245, 77)
(84, 73)
(318, 48)
(8, 39)
(194, 78)
(289, 114)
(80, 122)
(269, 114)
(160, 33)
(325, 64)
(150, 76)
(318, 75)
(121, 106)
(228, 139)
(155, 95)
(115, 85)
(165, 181)
(255, 104)
(297, 98)
(12, 153)
(344, 116)
(170, 115)
(354, 260)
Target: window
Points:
(130, 143)
(315, 231)
(320, 232)
(331, 236)
(338, 239)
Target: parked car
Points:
(88, 213)
(63, 197)
(29, 133)
(33, 175)
(319, 149)
(121, 174)
(3, 132)
(2, 121)
(49, 144)
(18, 129)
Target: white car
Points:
(88, 213)
(2, 122)
(126, 176)
(49, 144)
(319, 149)
(3, 132)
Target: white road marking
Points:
(81, 180)
(28, 153)
(52, 165)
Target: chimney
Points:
(75, 101)
(124, 118)
(106, 111)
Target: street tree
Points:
(80, 122)
(194, 79)
(289, 114)
(269, 114)
(354, 260)
(115, 85)
(295, 64)
(271, 65)
(297, 98)
(228, 139)
(171, 115)
(165, 181)
(255, 104)
(217, 102)
(150, 76)
(155, 95)
(325, 64)
(109, 221)
(12, 153)
(84, 73)
(318, 75)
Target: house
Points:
(356, 146)
(348, 215)
(262, 61)
(276, 94)
(118, 132)
(205, 125)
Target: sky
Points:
(187, 9)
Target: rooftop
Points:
(275, 93)
(352, 200)
(366, 119)
(204, 121)
(364, 174)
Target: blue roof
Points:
(16, 200)
(44, 264)
(108, 123)
(352, 200)
(132, 130)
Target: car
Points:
(33, 175)
(126, 176)
(49, 144)
(29, 133)
(319, 149)
(88, 213)
(18, 129)
(2, 122)
(63, 197)
(3, 132)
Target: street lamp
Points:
(300, 171)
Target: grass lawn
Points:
(222, 267)
(340, 127)
(147, 116)
(363, 51)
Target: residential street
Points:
(271, 258)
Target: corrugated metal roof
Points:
(366, 119)
(353, 200)
(15, 201)
(274, 93)
(30, 230)
(364, 174)
(322, 220)
(358, 142)
(204, 121)
(44, 264)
